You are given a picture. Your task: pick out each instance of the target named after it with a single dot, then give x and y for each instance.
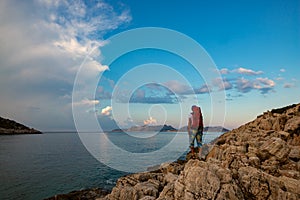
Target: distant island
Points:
(167, 128)
(10, 127)
(146, 128)
(208, 129)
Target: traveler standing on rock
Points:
(195, 129)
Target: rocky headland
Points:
(259, 160)
(10, 127)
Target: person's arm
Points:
(202, 127)
(189, 124)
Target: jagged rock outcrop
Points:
(259, 160)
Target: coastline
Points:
(18, 132)
(91, 193)
(257, 160)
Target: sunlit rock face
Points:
(259, 160)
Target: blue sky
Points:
(255, 46)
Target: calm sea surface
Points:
(39, 166)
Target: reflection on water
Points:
(39, 166)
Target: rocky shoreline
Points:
(259, 160)
(16, 131)
(10, 127)
(81, 194)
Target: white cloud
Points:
(106, 111)
(182, 89)
(72, 46)
(244, 85)
(41, 52)
(150, 121)
(203, 89)
(289, 85)
(224, 71)
(239, 70)
(52, 3)
(94, 66)
(282, 70)
(245, 71)
(86, 102)
(222, 84)
(266, 82)
(177, 87)
(264, 85)
(279, 78)
(294, 79)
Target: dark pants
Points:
(195, 134)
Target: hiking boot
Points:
(192, 150)
(201, 157)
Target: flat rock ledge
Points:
(86, 194)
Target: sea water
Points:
(40, 166)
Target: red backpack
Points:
(197, 120)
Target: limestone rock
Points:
(295, 153)
(148, 198)
(276, 147)
(292, 125)
(259, 160)
(167, 193)
(253, 183)
(206, 180)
